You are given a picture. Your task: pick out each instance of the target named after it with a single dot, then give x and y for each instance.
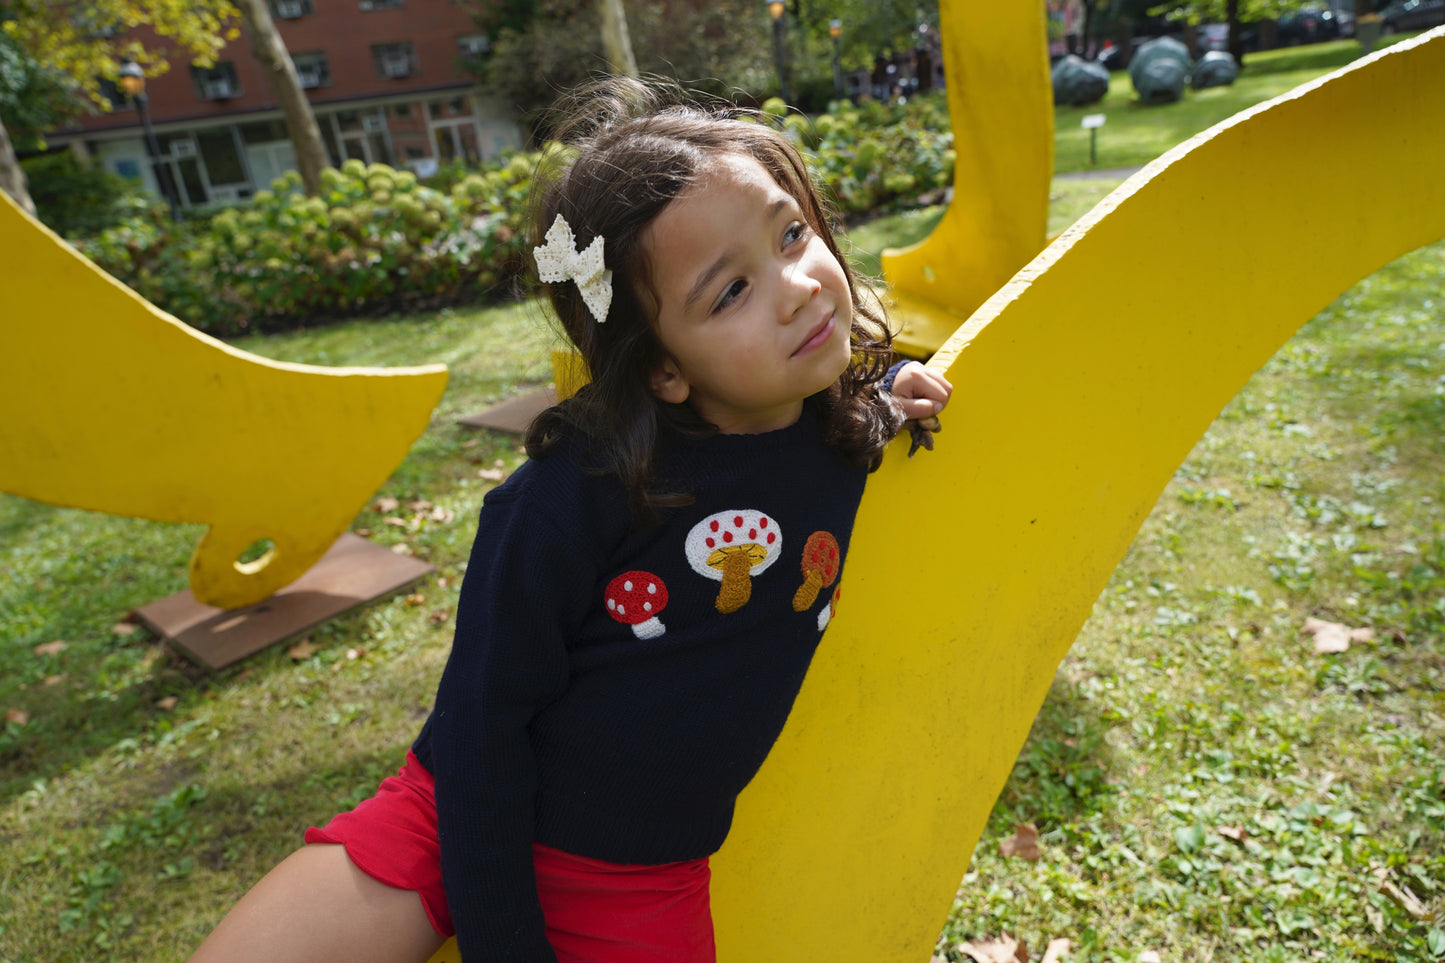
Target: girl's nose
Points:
(800, 286)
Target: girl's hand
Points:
(921, 390)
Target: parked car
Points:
(1311, 25)
(1412, 15)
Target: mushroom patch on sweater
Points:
(731, 547)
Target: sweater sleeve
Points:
(522, 597)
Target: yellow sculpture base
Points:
(351, 573)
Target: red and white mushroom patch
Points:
(636, 599)
(732, 547)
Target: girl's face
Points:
(753, 310)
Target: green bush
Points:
(374, 240)
(377, 240)
(874, 157)
(75, 199)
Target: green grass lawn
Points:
(1204, 785)
(1135, 134)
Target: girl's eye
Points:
(795, 231)
(730, 295)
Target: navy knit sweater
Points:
(612, 689)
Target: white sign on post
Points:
(1091, 121)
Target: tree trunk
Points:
(1236, 42)
(12, 175)
(270, 49)
(617, 40)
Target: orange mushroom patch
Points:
(732, 547)
(820, 568)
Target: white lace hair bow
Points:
(559, 260)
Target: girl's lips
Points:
(817, 336)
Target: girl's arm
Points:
(507, 662)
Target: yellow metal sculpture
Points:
(1000, 102)
(1066, 422)
(112, 405)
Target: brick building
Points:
(386, 79)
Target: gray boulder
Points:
(1159, 70)
(1078, 82)
(1215, 69)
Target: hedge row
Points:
(377, 240)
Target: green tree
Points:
(1232, 12)
(86, 41)
(32, 98)
(270, 50)
(541, 48)
(870, 27)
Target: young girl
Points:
(645, 594)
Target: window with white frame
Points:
(311, 70)
(379, 4)
(475, 46)
(290, 9)
(394, 60)
(219, 82)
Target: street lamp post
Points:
(835, 30)
(776, 9)
(133, 82)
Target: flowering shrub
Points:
(377, 240)
(874, 157)
(374, 240)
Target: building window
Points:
(394, 60)
(216, 83)
(311, 70)
(475, 46)
(290, 9)
(379, 4)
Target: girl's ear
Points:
(668, 384)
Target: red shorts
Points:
(596, 912)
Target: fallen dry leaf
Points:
(385, 504)
(470, 443)
(354, 654)
(364, 532)
(444, 515)
(401, 548)
(420, 505)
(167, 704)
(1331, 637)
(52, 648)
(439, 617)
(1024, 843)
(491, 474)
(395, 520)
(1400, 895)
(123, 628)
(18, 716)
(415, 598)
(1235, 833)
(1004, 949)
(54, 679)
(302, 650)
(1056, 950)
(1149, 956)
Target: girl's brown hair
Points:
(627, 149)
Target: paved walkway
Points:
(1100, 174)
